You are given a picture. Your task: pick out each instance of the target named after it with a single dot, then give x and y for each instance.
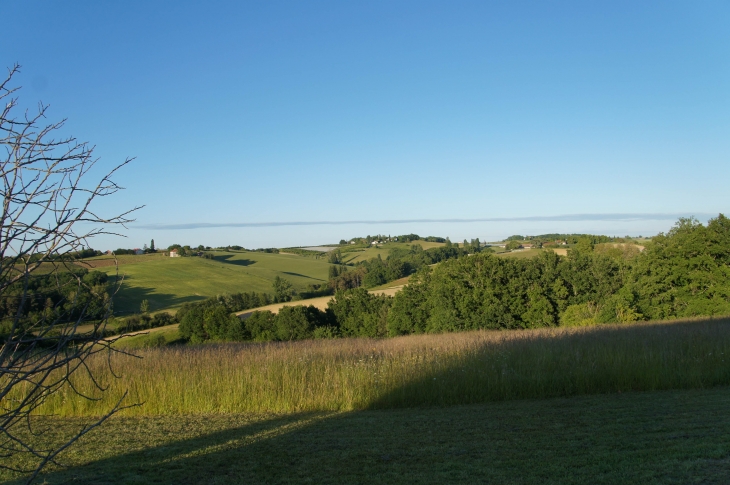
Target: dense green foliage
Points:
(683, 273)
(304, 252)
(399, 263)
(59, 297)
(211, 319)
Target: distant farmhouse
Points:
(174, 254)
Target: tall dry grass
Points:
(442, 369)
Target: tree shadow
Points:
(428, 435)
(302, 276)
(128, 299)
(227, 258)
(547, 442)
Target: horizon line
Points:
(556, 218)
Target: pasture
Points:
(520, 253)
(355, 256)
(665, 437)
(167, 283)
(642, 403)
(419, 370)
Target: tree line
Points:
(61, 297)
(683, 273)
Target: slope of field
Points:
(167, 283)
(124, 259)
(383, 250)
(668, 437)
(520, 253)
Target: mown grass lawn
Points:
(662, 437)
(167, 283)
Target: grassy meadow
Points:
(641, 403)
(421, 370)
(663, 437)
(167, 283)
(364, 254)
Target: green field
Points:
(668, 437)
(522, 253)
(632, 403)
(383, 250)
(167, 283)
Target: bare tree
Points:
(47, 216)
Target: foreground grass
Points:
(668, 437)
(445, 369)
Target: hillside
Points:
(167, 283)
(356, 255)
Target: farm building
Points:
(138, 251)
(174, 254)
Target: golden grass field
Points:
(434, 369)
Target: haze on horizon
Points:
(460, 119)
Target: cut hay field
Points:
(665, 437)
(167, 283)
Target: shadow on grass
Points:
(639, 438)
(302, 276)
(641, 357)
(129, 298)
(227, 258)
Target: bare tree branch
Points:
(47, 216)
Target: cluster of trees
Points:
(351, 313)
(568, 238)
(400, 262)
(59, 297)
(683, 273)
(147, 249)
(403, 238)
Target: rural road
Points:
(320, 302)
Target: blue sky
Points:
(245, 113)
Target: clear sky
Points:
(511, 113)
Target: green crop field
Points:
(167, 283)
(522, 253)
(383, 250)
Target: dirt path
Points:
(320, 302)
